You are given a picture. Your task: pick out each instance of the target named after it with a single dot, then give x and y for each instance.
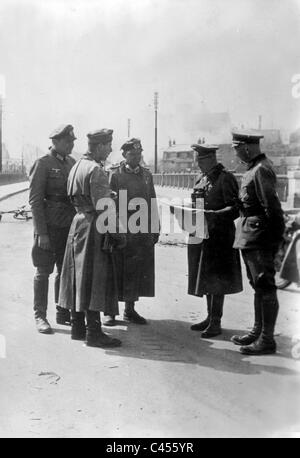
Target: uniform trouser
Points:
(215, 307)
(261, 274)
(44, 261)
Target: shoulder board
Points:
(40, 160)
(145, 169)
(46, 157)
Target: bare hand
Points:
(44, 242)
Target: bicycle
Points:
(20, 213)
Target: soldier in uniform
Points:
(259, 233)
(214, 266)
(88, 280)
(135, 264)
(52, 214)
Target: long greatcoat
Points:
(214, 266)
(88, 279)
(135, 264)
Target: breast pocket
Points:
(56, 182)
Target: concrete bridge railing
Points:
(288, 186)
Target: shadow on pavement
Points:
(173, 341)
(291, 289)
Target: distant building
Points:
(178, 158)
(283, 164)
(284, 156)
(294, 149)
(181, 158)
(272, 144)
(227, 156)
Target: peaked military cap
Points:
(100, 136)
(240, 137)
(133, 143)
(64, 130)
(204, 150)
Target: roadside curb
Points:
(6, 196)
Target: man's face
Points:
(64, 146)
(241, 152)
(207, 163)
(133, 157)
(102, 151)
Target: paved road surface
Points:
(163, 382)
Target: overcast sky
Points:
(96, 63)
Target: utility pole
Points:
(0, 133)
(155, 133)
(22, 160)
(259, 121)
(128, 131)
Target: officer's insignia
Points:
(55, 170)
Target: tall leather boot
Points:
(266, 344)
(62, 315)
(78, 328)
(214, 327)
(95, 337)
(40, 302)
(131, 315)
(255, 332)
(204, 324)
